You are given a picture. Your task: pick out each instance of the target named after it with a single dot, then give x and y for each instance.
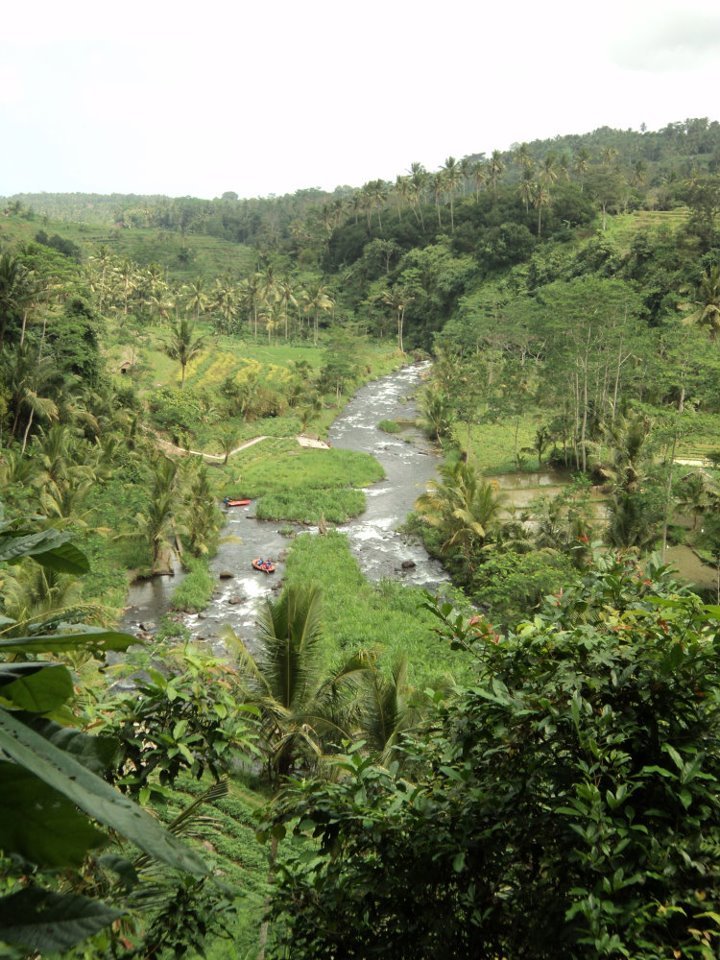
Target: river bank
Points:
(407, 461)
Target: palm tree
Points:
(523, 157)
(696, 492)
(183, 346)
(302, 706)
(286, 298)
(418, 180)
(480, 175)
(196, 298)
(462, 507)
(540, 199)
(496, 168)
(249, 296)
(389, 708)
(33, 383)
(14, 281)
(316, 300)
(549, 170)
(157, 522)
(632, 520)
(398, 298)
(706, 312)
(527, 188)
(453, 177)
(581, 165)
(126, 275)
(224, 301)
(436, 414)
(201, 517)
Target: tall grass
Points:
(388, 618)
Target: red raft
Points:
(264, 566)
(236, 502)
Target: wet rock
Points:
(226, 575)
(408, 564)
(235, 599)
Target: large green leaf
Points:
(97, 753)
(96, 641)
(93, 795)
(40, 824)
(51, 548)
(36, 687)
(51, 922)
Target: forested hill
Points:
(648, 167)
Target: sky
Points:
(196, 99)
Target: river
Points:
(408, 460)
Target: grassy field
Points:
(387, 617)
(184, 258)
(624, 227)
(298, 483)
(491, 446)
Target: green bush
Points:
(389, 426)
(566, 805)
(194, 593)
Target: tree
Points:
(183, 345)
(398, 299)
(636, 505)
(452, 176)
(316, 300)
(299, 699)
(53, 793)
(13, 280)
(706, 304)
(462, 507)
(565, 805)
(495, 169)
(157, 523)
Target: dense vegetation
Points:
(525, 768)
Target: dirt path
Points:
(220, 457)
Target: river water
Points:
(408, 461)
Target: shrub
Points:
(566, 805)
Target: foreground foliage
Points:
(52, 784)
(567, 804)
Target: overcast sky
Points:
(180, 98)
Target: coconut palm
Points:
(315, 299)
(706, 305)
(15, 281)
(398, 298)
(183, 346)
(157, 523)
(495, 168)
(696, 492)
(201, 518)
(452, 176)
(462, 507)
(389, 706)
(303, 706)
(540, 199)
(436, 414)
(34, 384)
(196, 298)
(418, 181)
